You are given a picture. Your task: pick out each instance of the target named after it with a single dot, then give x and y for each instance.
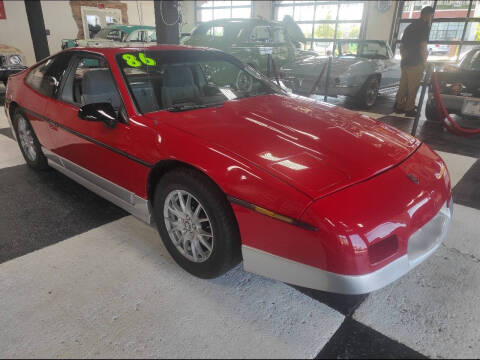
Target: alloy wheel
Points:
(372, 93)
(188, 226)
(27, 141)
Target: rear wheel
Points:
(196, 223)
(369, 92)
(28, 142)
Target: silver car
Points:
(359, 69)
(459, 87)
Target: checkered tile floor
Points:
(81, 278)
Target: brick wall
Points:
(77, 12)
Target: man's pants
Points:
(409, 83)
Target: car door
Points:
(90, 149)
(391, 69)
(42, 86)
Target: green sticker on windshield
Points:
(132, 60)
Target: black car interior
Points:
(170, 85)
(98, 86)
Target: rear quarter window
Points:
(46, 77)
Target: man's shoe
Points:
(411, 113)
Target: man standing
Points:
(414, 57)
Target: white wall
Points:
(140, 12)
(58, 18)
(379, 25)
(263, 9)
(188, 16)
(14, 30)
(66, 28)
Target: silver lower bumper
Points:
(421, 245)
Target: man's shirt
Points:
(414, 34)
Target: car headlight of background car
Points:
(15, 59)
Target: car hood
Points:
(316, 147)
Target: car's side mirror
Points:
(99, 112)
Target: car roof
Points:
(129, 28)
(122, 49)
(254, 21)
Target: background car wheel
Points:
(369, 93)
(28, 142)
(196, 223)
(431, 112)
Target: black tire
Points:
(226, 249)
(39, 161)
(367, 96)
(431, 112)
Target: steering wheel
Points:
(244, 82)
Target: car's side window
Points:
(46, 77)
(261, 34)
(136, 36)
(279, 35)
(475, 63)
(116, 35)
(216, 31)
(151, 36)
(91, 81)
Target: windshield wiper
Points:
(178, 108)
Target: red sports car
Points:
(230, 167)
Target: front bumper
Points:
(6, 71)
(367, 236)
(420, 246)
(304, 86)
(454, 103)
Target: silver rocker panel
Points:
(118, 195)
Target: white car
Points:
(359, 69)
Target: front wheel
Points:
(196, 223)
(369, 92)
(28, 142)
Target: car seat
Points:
(179, 86)
(98, 86)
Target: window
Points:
(136, 36)
(216, 9)
(183, 80)
(455, 28)
(323, 22)
(111, 34)
(260, 34)
(229, 31)
(475, 64)
(46, 77)
(370, 49)
(94, 83)
(216, 31)
(90, 82)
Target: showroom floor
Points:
(81, 278)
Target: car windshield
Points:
(109, 34)
(181, 80)
(364, 49)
